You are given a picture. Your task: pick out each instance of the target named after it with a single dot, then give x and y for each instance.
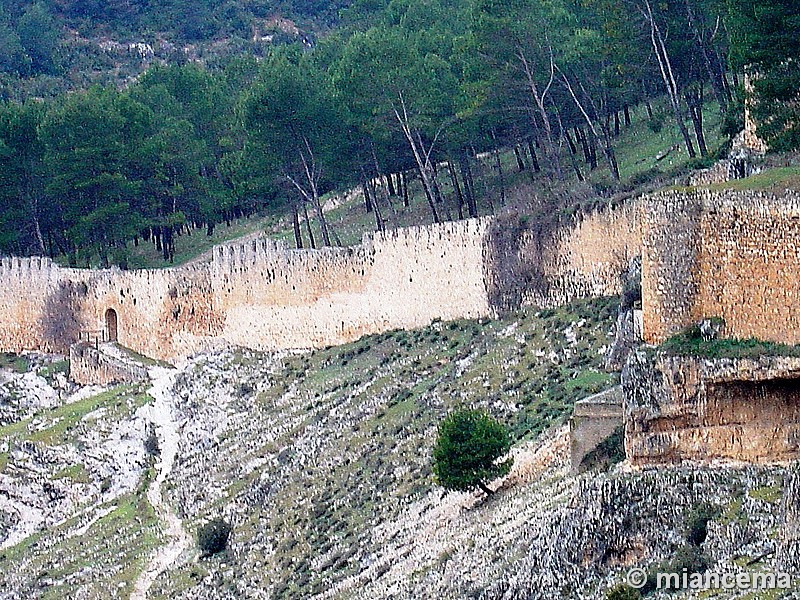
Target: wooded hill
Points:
(397, 91)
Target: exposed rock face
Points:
(329, 499)
(22, 394)
(546, 534)
(50, 477)
(628, 330)
(681, 408)
(628, 335)
(613, 522)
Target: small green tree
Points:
(467, 450)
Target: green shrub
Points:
(687, 559)
(656, 122)
(644, 177)
(18, 364)
(703, 162)
(623, 592)
(690, 558)
(212, 537)
(151, 442)
(697, 523)
(467, 449)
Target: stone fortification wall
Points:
(541, 262)
(277, 297)
(590, 258)
(728, 254)
(258, 294)
(593, 421)
(89, 365)
(34, 302)
(264, 295)
(165, 313)
(682, 408)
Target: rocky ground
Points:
(72, 466)
(321, 462)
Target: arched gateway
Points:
(111, 325)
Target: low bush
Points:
(690, 342)
(623, 592)
(212, 537)
(151, 443)
(697, 523)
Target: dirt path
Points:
(178, 539)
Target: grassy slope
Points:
(322, 462)
(372, 406)
(691, 343)
(774, 180)
(55, 562)
(102, 563)
(309, 456)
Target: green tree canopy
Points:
(467, 450)
(293, 116)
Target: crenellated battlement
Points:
(25, 267)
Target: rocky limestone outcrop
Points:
(680, 408)
(547, 533)
(628, 329)
(316, 499)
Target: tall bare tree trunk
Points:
(404, 183)
(665, 66)
(469, 184)
(308, 227)
(694, 99)
(420, 157)
(385, 192)
(608, 149)
(34, 209)
(369, 193)
(298, 236)
(518, 156)
(540, 100)
(456, 189)
(535, 168)
(711, 60)
(499, 164)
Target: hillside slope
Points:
(321, 462)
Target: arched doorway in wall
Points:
(111, 325)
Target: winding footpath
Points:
(168, 438)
